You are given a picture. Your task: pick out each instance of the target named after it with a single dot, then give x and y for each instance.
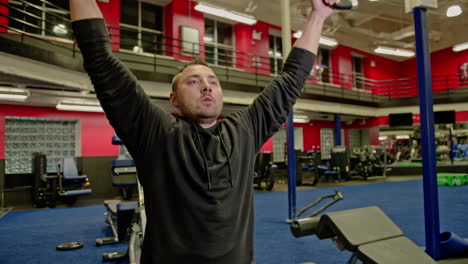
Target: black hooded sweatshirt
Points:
(197, 182)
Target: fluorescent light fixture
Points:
(300, 120)
(323, 40)
(83, 106)
(395, 52)
(383, 137)
(224, 13)
(328, 41)
(460, 47)
(402, 137)
(15, 94)
(454, 10)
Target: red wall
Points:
(182, 13)
(383, 68)
(3, 11)
(246, 44)
(96, 132)
(443, 62)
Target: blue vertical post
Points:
(431, 200)
(337, 129)
(291, 168)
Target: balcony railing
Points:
(54, 27)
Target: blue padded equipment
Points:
(70, 172)
(71, 183)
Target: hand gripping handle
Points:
(343, 5)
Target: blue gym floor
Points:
(31, 236)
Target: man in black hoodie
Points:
(196, 170)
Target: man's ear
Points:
(172, 99)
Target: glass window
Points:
(129, 12)
(151, 16)
(324, 67)
(141, 27)
(41, 18)
(224, 33)
(24, 136)
(276, 54)
(209, 30)
(25, 16)
(219, 43)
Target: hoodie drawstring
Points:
(231, 180)
(204, 158)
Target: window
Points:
(141, 27)
(219, 42)
(323, 65)
(48, 18)
(280, 147)
(327, 141)
(24, 136)
(276, 54)
(358, 76)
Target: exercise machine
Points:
(371, 236)
(337, 196)
(127, 221)
(123, 172)
(66, 185)
(71, 184)
(264, 178)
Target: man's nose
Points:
(206, 87)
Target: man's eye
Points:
(192, 82)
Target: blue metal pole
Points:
(431, 200)
(291, 168)
(337, 129)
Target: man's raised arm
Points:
(313, 28)
(84, 9)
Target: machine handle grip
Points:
(305, 226)
(343, 5)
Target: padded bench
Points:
(119, 217)
(367, 232)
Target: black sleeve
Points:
(270, 109)
(136, 120)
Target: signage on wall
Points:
(257, 35)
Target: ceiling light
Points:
(300, 120)
(402, 137)
(323, 40)
(224, 13)
(328, 41)
(454, 10)
(84, 106)
(16, 94)
(395, 52)
(460, 47)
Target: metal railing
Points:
(234, 64)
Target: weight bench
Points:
(367, 232)
(71, 184)
(119, 217)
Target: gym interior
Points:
(377, 171)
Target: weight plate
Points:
(69, 246)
